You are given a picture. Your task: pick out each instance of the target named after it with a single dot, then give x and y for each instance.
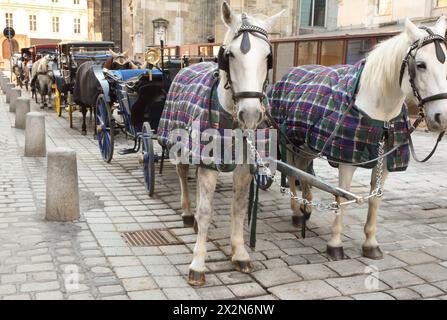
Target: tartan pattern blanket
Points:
(311, 99)
(192, 94)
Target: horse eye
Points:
(230, 54)
(421, 65)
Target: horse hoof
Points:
(335, 253)
(297, 221)
(188, 221)
(196, 278)
(243, 266)
(42, 107)
(374, 253)
(84, 133)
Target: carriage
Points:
(70, 55)
(131, 101)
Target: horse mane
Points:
(382, 68)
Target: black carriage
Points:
(70, 56)
(132, 102)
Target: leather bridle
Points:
(224, 62)
(409, 64)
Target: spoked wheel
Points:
(105, 128)
(148, 159)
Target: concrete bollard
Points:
(13, 95)
(35, 136)
(8, 88)
(22, 108)
(62, 193)
(3, 79)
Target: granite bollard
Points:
(22, 108)
(35, 136)
(13, 95)
(62, 194)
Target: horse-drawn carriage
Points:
(70, 56)
(132, 101)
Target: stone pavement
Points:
(90, 260)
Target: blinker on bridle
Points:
(224, 61)
(409, 63)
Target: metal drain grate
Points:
(153, 237)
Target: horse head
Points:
(244, 61)
(424, 72)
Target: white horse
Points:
(42, 80)
(241, 95)
(381, 97)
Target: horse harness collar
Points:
(224, 58)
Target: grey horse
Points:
(42, 80)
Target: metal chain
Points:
(319, 205)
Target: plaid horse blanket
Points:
(310, 100)
(193, 93)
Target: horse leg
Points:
(187, 214)
(241, 181)
(206, 180)
(335, 246)
(370, 247)
(84, 115)
(300, 211)
(49, 97)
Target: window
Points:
(357, 50)
(313, 13)
(384, 7)
(331, 52)
(32, 22)
(9, 20)
(54, 1)
(441, 3)
(77, 25)
(75, 1)
(55, 24)
(307, 52)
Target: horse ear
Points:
(126, 54)
(228, 16)
(412, 31)
(270, 22)
(441, 26)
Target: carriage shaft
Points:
(314, 181)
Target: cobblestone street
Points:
(89, 259)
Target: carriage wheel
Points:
(58, 103)
(105, 128)
(148, 159)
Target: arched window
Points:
(5, 47)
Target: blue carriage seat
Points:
(125, 75)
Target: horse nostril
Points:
(438, 118)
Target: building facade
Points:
(376, 14)
(42, 22)
(105, 21)
(145, 22)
